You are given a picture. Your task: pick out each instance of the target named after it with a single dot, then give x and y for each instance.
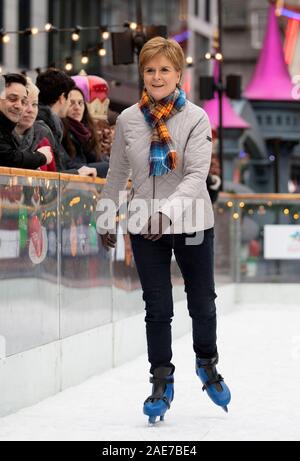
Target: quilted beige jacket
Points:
(183, 190)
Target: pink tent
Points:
(271, 79)
(230, 118)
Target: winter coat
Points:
(10, 153)
(191, 135)
(33, 137)
(55, 124)
(83, 156)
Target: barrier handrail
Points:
(49, 175)
(76, 178)
(265, 196)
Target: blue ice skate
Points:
(162, 395)
(213, 383)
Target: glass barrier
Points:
(258, 238)
(85, 267)
(57, 280)
(29, 309)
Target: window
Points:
(24, 40)
(234, 14)
(196, 7)
(207, 10)
(258, 20)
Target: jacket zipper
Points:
(152, 207)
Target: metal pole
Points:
(139, 14)
(139, 30)
(220, 93)
(277, 166)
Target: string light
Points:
(76, 34)
(84, 58)
(30, 31)
(102, 52)
(5, 38)
(104, 33)
(68, 64)
(133, 25)
(189, 61)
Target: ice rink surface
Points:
(259, 350)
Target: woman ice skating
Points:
(164, 142)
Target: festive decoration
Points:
(95, 90)
(271, 79)
(23, 230)
(73, 239)
(38, 240)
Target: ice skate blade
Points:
(155, 420)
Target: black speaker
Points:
(156, 31)
(234, 86)
(206, 87)
(122, 47)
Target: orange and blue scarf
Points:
(163, 157)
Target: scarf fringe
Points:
(172, 159)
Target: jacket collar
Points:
(52, 120)
(6, 123)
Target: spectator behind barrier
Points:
(80, 141)
(96, 90)
(13, 100)
(32, 134)
(55, 86)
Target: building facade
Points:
(191, 22)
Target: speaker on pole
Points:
(207, 87)
(122, 47)
(234, 86)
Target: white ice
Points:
(259, 357)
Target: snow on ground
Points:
(259, 357)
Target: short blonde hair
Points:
(32, 89)
(162, 46)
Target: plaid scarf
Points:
(163, 157)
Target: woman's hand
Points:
(87, 171)
(108, 240)
(156, 226)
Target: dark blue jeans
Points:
(153, 262)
